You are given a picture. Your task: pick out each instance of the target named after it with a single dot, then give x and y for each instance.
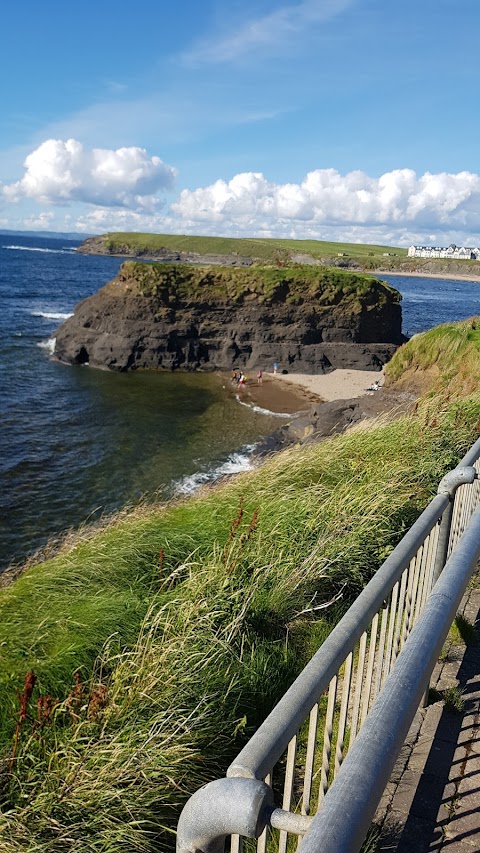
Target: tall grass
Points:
(186, 623)
(444, 360)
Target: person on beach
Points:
(242, 379)
(275, 366)
(259, 377)
(374, 387)
(234, 377)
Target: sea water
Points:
(77, 443)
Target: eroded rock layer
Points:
(171, 316)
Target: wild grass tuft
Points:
(453, 699)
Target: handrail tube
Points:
(471, 455)
(268, 743)
(343, 820)
(222, 808)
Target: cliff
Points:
(308, 319)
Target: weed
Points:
(453, 699)
(466, 630)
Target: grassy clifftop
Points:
(294, 284)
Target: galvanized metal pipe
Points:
(343, 820)
(272, 738)
(221, 808)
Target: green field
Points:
(264, 249)
(363, 256)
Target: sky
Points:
(349, 120)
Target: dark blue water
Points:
(76, 443)
(428, 302)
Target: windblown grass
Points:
(446, 360)
(186, 623)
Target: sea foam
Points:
(236, 463)
(36, 249)
(48, 344)
(260, 411)
(51, 315)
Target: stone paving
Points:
(432, 802)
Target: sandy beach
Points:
(289, 393)
(337, 385)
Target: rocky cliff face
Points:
(307, 319)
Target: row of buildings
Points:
(461, 253)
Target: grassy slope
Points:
(444, 360)
(205, 611)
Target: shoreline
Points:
(293, 394)
(475, 279)
(272, 397)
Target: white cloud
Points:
(267, 31)
(325, 198)
(61, 171)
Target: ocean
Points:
(77, 443)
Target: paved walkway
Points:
(432, 802)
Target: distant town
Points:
(462, 253)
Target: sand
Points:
(338, 385)
(453, 277)
(297, 392)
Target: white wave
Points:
(260, 411)
(235, 464)
(51, 315)
(37, 249)
(48, 344)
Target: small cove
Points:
(76, 443)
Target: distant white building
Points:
(460, 253)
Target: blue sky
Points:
(334, 119)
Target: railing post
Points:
(448, 486)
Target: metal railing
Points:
(285, 772)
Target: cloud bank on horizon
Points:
(124, 189)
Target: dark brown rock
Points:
(162, 316)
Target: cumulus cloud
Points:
(61, 171)
(400, 199)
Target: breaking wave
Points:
(48, 344)
(51, 315)
(237, 462)
(36, 249)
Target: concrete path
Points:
(432, 802)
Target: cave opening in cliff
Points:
(82, 357)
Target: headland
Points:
(231, 251)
